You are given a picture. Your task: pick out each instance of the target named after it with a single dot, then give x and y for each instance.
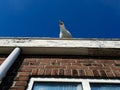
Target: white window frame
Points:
(85, 82)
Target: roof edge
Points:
(55, 46)
(52, 38)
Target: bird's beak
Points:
(61, 23)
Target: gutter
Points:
(5, 66)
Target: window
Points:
(57, 86)
(73, 84)
(101, 86)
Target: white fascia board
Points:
(61, 46)
(32, 42)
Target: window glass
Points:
(105, 86)
(56, 86)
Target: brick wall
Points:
(58, 66)
(2, 58)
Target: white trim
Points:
(85, 85)
(85, 82)
(51, 46)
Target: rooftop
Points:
(56, 46)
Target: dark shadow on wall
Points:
(71, 56)
(7, 82)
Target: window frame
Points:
(85, 82)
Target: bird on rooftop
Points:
(64, 33)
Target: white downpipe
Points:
(5, 66)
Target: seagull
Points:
(64, 33)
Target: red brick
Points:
(2, 59)
(117, 73)
(47, 59)
(86, 61)
(75, 72)
(103, 74)
(43, 61)
(65, 61)
(25, 69)
(34, 63)
(61, 72)
(68, 72)
(26, 63)
(99, 68)
(48, 71)
(33, 66)
(55, 72)
(115, 68)
(54, 63)
(109, 73)
(16, 78)
(34, 71)
(97, 64)
(78, 64)
(106, 61)
(77, 67)
(55, 66)
(20, 83)
(81, 73)
(61, 66)
(108, 64)
(23, 78)
(18, 88)
(89, 73)
(29, 60)
(96, 73)
(23, 74)
(41, 71)
(117, 61)
(1, 62)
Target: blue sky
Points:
(40, 18)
